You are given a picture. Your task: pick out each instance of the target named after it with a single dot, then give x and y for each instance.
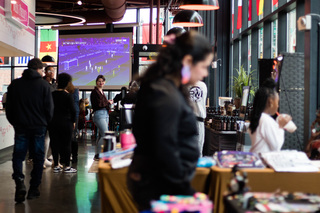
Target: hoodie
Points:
(29, 101)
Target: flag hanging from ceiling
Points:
(232, 25)
(48, 43)
(250, 10)
(260, 4)
(274, 2)
(239, 19)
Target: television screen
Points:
(85, 56)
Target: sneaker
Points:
(96, 157)
(20, 190)
(33, 193)
(47, 163)
(70, 170)
(57, 169)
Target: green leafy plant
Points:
(242, 78)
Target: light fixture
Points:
(13, 2)
(280, 57)
(47, 59)
(79, 2)
(187, 18)
(200, 5)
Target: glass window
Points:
(5, 61)
(130, 16)
(249, 53)
(144, 26)
(18, 72)
(22, 61)
(260, 46)
(274, 37)
(240, 54)
(291, 32)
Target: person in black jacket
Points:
(29, 110)
(62, 124)
(164, 124)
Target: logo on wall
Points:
(196, 94)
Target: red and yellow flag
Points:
(274, 2)
(260, 4)
(239, 20)
(48, 43)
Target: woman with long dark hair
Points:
(266, 133)
(62, 124)
(164, 124)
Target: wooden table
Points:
(262, 180)
(115, 196)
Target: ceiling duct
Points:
(115, 9)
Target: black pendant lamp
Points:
(187, 18)
(199, 5)
(47, 59)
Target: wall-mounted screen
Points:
(85, 56)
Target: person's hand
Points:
(283, 119)
(74, 125)
(110, 101)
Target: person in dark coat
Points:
(62, 125)
(164, 124)
(29, 110)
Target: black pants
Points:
(60, 142)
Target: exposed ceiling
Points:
(92, 10)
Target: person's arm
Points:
(273, 135)
(48, 103)
(72, 108)
(9, 106)
(94, 99)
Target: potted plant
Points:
(242, 78)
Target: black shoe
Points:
(20, 190)
(96, 157)
(33, 193)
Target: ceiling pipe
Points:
(115, 9)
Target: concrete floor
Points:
(60, 192)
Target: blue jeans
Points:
(101, 120)
(23, 139)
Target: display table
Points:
(262, 180)
(115, 196)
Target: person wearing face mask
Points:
(100, 106)
(266, 133)
(164, 124)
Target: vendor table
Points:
(262, 180)
(115, 196)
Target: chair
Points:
(91, 124)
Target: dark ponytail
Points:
(260, 102)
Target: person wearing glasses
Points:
(49, 74)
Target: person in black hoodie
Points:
(164, 124)
(29, 110)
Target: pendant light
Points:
(199, 5)
(187, 18)
(47, 59)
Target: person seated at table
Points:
(266, 133)
(164, 124)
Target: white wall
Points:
(14, 40)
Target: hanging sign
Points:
(17, 13)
